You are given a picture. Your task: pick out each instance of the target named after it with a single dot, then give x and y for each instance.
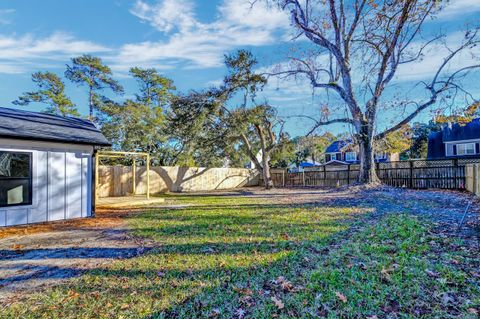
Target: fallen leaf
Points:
(472, 311)
(432, 273)
(125, 306)
(17, 247)
(287, 286)
(278, 303)
(243, 291)
(341, 297)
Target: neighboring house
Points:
(46, 167)
(346, 152)
(294, 168)
(455, 141)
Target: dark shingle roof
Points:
(337, 146)
(466, 132)
(21, 124)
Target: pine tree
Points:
(51, 90)
(90, 71)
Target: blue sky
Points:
(185, 40)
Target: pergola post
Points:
(97, 161)
(134, 182)
(148, 176)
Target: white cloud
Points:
(166, 15)
(426, 68)
(455, 8)
(201, 45)
(18, 53)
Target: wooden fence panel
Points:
(118, 180)
(417, 174)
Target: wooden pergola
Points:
(134, 155)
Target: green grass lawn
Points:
(238, 257)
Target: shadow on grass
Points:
(208, 253)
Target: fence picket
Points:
(418, 174)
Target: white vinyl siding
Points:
(350, 156)
(466, 149)
(61, 182)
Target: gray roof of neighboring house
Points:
(25, 125)
(337, 146)
(459, 132)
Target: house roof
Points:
(336, 162)
(459, 132)
(25, 125)
(337, 146)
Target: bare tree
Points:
(372, 39)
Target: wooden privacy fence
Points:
(473, 178)
(444, 174)
(118, 180)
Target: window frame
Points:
(381, 156)
(30, 179)
(465, 145)
(350, 160)
(336, 156)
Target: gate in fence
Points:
(417, 174)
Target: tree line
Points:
(218, 126)
(355, 49)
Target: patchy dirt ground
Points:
(38, 255)
(46, 254)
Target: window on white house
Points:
(380, 156)
(336, 156)
(351, 156)
(15, 178)
(466, 149)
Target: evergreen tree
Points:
(155, 89)
(87, 70)
(51, 90)
(140, 124)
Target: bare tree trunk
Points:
(368, 174)
(267, 177)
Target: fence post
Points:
(324, 175)
(455, 168)
(348, 175)
(303, 178)
(476, 181)
(283, 177)
(411, 174)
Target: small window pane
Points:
(15, 178)
(351, 156)
(466, 149)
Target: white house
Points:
(46, 167)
